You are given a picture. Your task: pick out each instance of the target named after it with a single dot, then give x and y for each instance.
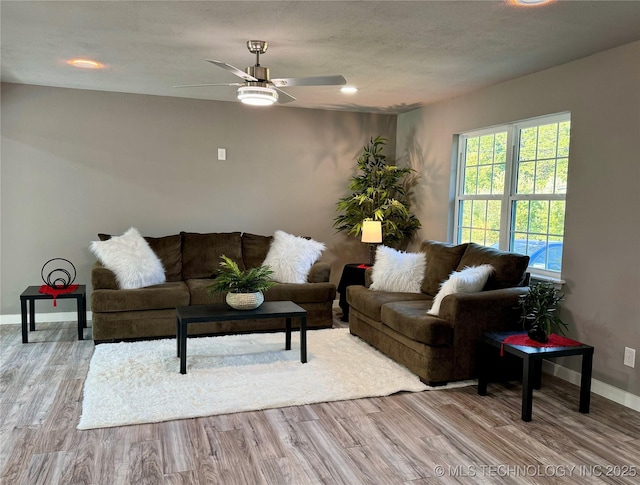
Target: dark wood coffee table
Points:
(532, 367)
(222, 312)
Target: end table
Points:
(32, 293)
(352, 274)
(532, 367)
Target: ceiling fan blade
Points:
(203, 85)
(309, 81)
(233, 70)
(284, 97)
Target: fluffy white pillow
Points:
(291, 257)
(470, 280)
(397, 271)
(131, 259)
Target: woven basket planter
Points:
(245, 301)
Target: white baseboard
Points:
(44, 317)
(597, 387)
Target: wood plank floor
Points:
(452, 436)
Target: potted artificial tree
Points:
(539, 311)
(244, 288)
(381, 192)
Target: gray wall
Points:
(75, 163)
(602, 241)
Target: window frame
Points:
(509, 196)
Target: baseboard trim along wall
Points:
(597, 387)
(44, 317)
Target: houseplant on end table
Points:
(244, 287)
(539, 311)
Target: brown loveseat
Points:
(190, 260)
(441, 348)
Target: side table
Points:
(32, 293)
(532, 367)
(352, 274)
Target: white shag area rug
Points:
(139, 382)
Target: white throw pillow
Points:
(470, 280)
(397, 271)
(291, 257)
(131, 259)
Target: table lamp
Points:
(372, 234)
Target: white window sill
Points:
(546, 278)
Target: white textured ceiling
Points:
(399, 54)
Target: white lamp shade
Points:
(371, 232)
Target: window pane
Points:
(470, 180)
(500, 155)
(561, 176)
(486, 149)
(528, 141)
(526, 177)
(547, 137)
(539, 217)
(479, 215)
(465, 213)
(494, 209)
(521, 216)
(545, 177)
(564, 129)
(464, 235)
(477, 236)
(485, 176)
(471, 155)
(556, 217)
(498, 179)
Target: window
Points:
(512, 182)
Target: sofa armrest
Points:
(103, 278)
(320, 272)
(472, 314)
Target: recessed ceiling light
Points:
(349, 89)
(85, 64)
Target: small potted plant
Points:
(244, 288)
(539, 311)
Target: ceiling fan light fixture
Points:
(257, 95)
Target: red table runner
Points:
(523, 339)
(50, 290)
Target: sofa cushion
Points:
(442, 260)
(255, 249)
(168, 249)
(157, 297)
(410, 319)
(301, 292)
(201, 252)
(199, 291)
(131, 259)
(369, 302)
(397, 270)
(509, 267)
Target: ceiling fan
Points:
(258, 88)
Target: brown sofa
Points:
(441, 348)
(190, 260)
